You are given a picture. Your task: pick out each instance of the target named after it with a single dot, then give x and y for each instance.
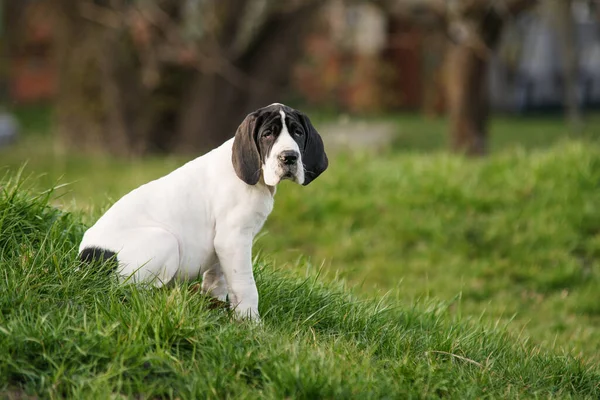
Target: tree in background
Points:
(561, 16)
(473, 28)
(139, 76)
(8, 124)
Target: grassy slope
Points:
(516, 233)
(75, 333)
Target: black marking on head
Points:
(253, 142)
(91, 255)
(268, 132)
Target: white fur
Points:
(198, 220)
(272, 169)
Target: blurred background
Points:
(462, 134)
(168, 76)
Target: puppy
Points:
(201, 218)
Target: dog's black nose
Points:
(288, 157)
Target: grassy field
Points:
(75, 333)
(461, 278)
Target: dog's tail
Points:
(97, 255)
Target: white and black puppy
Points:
(201, 218)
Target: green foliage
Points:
(74, 332)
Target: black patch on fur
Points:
(245, 156)
(93, 255)
(314, 157)
(267, 134)
(253, 141)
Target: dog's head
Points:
(278, 143)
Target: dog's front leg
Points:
(234, 249)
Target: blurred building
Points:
(364, 60)
(32, 67)
(527, 70)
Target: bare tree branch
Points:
(213, 63)
(181, 72)
(101, 15)
(175, 44)
(447, 9)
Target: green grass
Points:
(461, 247)
(516, 236)
(34, 120)
(415, 133)
(87, 181)
(76, 333)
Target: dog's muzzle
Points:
(288, 160)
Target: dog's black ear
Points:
(313, 156)
(245, 156)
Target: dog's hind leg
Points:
(149, 255)
(214, 284)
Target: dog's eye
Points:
(298, 132)
(267, 133)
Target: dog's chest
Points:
(246, 209)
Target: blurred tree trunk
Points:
(134, 78)
(8, 123)
(102, 101)
(10, 16)
(474, 28)
(215, 105)
(433, 103)
(4, 56)
(467, 81)
(562, 16)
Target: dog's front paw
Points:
(247, 314)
